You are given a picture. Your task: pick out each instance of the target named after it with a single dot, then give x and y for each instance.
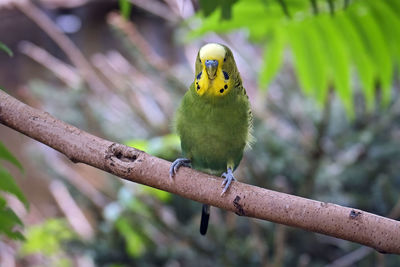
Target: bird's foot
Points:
(228, 175)
(179, 162)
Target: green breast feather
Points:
(214, 132)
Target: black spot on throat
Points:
(199, 75)
(198, 87)
(226, 75)
(221, 91)
(226, 86)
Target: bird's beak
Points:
(211, 67)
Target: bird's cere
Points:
(211, 67)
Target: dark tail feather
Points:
(205, 215)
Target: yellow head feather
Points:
(219, 85)
(212, 51)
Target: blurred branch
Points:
(243, 199)
(7, 255)
(136, 39)
(260, 245)
(156, 8)
(351, 258)
(120, 88)
(78, 181)
(72, 212)
(134, 36)
(279, 246)
(63, 71)
(68, 47)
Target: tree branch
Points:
(134, 165)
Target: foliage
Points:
(8, 219)
(328, 42)
(225, 6)
(125, 7)
(164, 146)
(48, 239)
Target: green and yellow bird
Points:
(214, 119)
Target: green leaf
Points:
(376, 46)
(208, 6)
(8, 184)
(167, 146)
(16, 235)
(337, 61)
(125, 6)
(359, 56)
(389, 24)
(273, 56)
(6, 155)
(134, 241)
(6, 49)
(317, 57)
(140, 144)
(3, 203)
(8, 220)
(301, 64)
(160, 194)
(47, 238)
(308, 59)
(244, 15)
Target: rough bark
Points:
(380, 233)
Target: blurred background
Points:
(322, 77)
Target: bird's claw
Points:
(228, 175)
(179, 162)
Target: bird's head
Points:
(215, 70)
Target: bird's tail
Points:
(205, 216)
